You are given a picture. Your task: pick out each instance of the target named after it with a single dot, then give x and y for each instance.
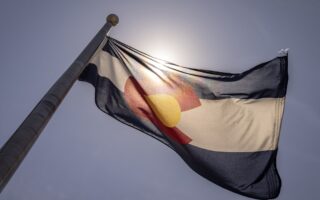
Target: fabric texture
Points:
(225, 126)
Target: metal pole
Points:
(16, 148)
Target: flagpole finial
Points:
(113, 19)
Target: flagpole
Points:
(16, 148)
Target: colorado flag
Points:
(225, 126)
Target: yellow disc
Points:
(166, 108)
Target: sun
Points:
(163, 54)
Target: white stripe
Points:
(234, 125)
(111, 68)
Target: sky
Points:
(85, 154)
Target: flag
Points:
(225, 126)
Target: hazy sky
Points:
(84, 154)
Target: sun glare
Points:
(164, 54)
(163, 50)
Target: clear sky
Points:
(84, 154)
